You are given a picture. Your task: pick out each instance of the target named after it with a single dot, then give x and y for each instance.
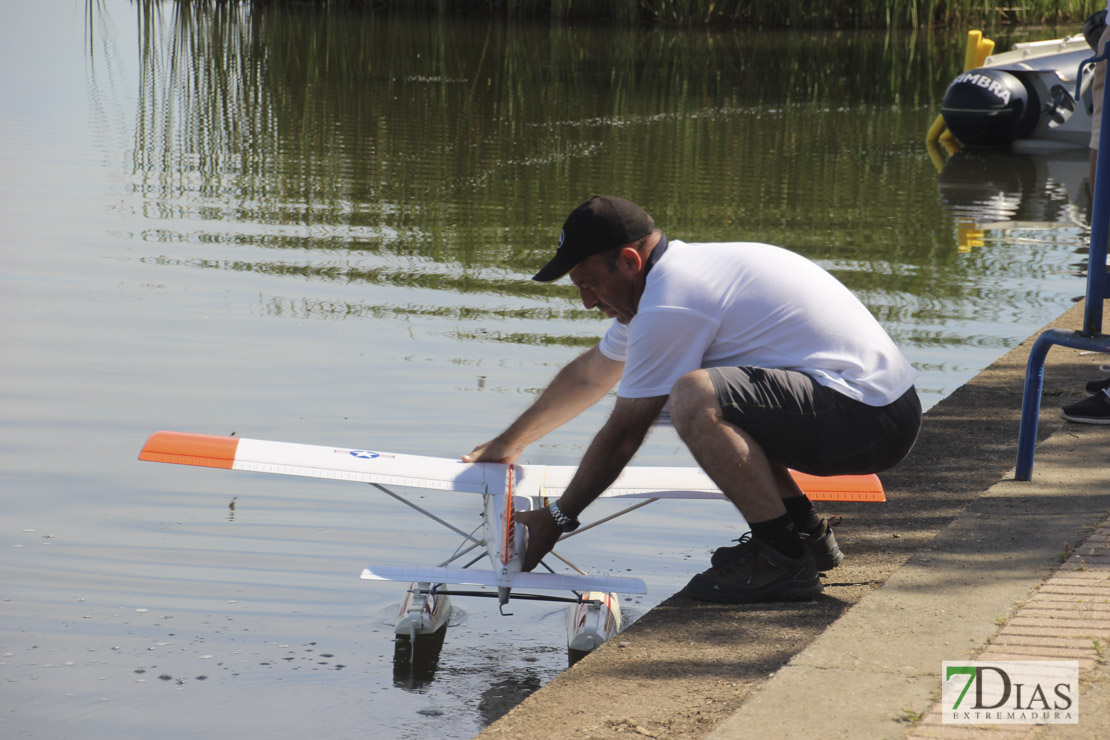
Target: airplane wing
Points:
(540, 581)
(693, 483)
(314, 461)
(417, 471)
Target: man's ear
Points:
(631, 257)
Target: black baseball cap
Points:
(602, 223)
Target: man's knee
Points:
(691, 396)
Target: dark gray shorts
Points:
(803, 425)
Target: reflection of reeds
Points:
(761, 13)
(325, 117)
(455, 283)
(304, 308)
(199, 128)
(462, 144)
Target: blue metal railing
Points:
(1091, 337)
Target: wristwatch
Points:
(562, 521)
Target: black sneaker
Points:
(821, 542)
(1092, 410)
(757, 572)
(1094, 387)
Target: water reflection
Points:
(464, 144)
(444, 155)
(357, 203)
(506, 692)
(415, 661)
(368, 168)
(1017, 199)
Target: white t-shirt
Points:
(743, 303)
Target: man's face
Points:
(613, 290)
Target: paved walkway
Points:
(990, 586)
(1067, 618)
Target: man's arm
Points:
(604, 460)
(576, 387)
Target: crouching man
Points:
(766, 361)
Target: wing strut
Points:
(609, 518)
(429, 514)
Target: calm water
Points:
(319, 227)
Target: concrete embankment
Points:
(961, 562)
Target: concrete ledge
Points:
(974, 544)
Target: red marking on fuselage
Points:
(508, 543)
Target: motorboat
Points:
(1036, 97)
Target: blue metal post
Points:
(1091, 338)
(1031, 408)
(1100, 225)
(1034, 380)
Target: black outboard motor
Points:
(989, 107)
(1093, 28)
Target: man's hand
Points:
(543, 533)
(495, 450)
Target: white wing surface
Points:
(315, 461)
(417, 471)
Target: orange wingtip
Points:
(840, 487)
(206, 450)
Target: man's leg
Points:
(747, 425)
(730, 456)
(775, 564)
(1097, 90)
(703, 421)
(723, 446)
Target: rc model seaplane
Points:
(500, 539)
